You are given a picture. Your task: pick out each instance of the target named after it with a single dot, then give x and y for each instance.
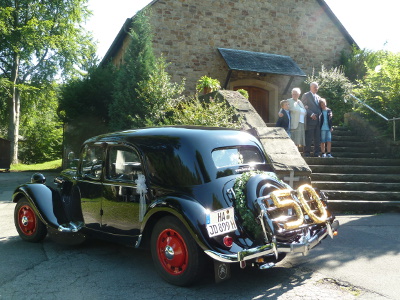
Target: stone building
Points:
(264, 46)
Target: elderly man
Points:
(313, 129)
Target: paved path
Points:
(10, 180)
(363, 262)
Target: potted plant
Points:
(207, 84)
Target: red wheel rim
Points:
(27, 220)
(172, 252)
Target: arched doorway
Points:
(259, 98)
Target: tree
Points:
(41, 127)
(88, 95)
(127, 110)
(357, 62)
(4, 94)
(39, 40)
(83, 102)
(158, 94)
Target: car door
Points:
(124, 198)
(89, 184)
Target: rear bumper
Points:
(274, 248)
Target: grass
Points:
(47, 166)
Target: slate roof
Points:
(260, 62)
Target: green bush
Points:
(244, 93)
(380, 89)
(336, 88)
(158, 94)
(213, 113)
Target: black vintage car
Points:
(189, 194)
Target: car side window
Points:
(124, 164)
(92, 161)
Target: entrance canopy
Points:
(260, 62)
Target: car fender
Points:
(190, 212)
(45, 201)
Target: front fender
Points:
(44, 200)
(190, 212)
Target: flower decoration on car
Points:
(141, 189)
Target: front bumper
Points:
(274, 248)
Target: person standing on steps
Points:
(297, 118)
(284, 119)
(313, 128)
(326, 128)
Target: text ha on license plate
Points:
(220, 221)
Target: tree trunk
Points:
(14, 112)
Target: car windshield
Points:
(234, 156)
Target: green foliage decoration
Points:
(250, 222)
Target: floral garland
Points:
(250, 222)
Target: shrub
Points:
(380, 89)
(336, 88)
(213, 113)
(244, 93)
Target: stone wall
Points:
(188, 33)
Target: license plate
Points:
(220, 221)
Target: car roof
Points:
(186, 149)
(198, 137)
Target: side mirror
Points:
(38, 178)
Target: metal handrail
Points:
(379, 114)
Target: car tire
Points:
(30, 228)
(177, 257)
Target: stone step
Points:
(353, 149)
(332, 177)
(357, 186)
(350, 153)
(358, 178)
(345, 134)
(348, 139)
(363, 206)
(362, 195)
(355, 155)
(351, 144)
(353, 161)
(357, 169)
(343, 131)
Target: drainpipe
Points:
(228, 77)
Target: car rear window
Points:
(235, 156)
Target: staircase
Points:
(357, 178)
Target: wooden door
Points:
(259, 98)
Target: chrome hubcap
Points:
(169, 252)
(24, 221)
